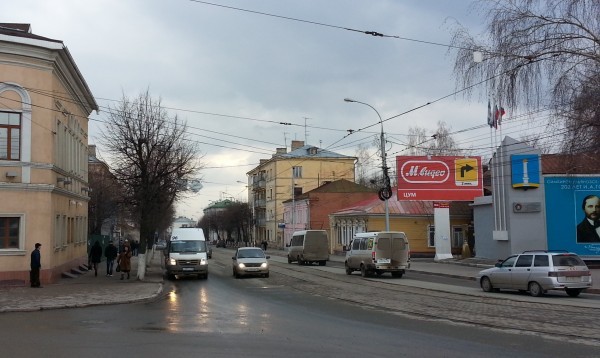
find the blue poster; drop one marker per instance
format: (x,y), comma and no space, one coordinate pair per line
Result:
(573,214)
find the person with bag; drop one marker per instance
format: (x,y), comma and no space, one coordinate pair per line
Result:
(124,261)
(95,256)
(110,252)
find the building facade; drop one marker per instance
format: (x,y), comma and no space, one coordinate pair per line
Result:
(43,155)
(287,175)
(310,211)
(414,218)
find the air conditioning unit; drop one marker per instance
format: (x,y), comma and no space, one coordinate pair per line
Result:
(11,174)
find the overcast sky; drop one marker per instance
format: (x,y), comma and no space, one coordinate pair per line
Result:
(234,75)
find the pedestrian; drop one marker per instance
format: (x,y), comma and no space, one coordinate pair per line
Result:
(36,264)
(264,245)
(110,252)
(124,261)
(95,256)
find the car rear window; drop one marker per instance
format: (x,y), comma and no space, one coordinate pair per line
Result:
(567,260)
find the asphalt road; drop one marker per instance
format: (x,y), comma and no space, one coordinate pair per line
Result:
(288,314)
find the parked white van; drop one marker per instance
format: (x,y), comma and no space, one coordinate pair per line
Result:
(309,246)
(377,253)
(186,254)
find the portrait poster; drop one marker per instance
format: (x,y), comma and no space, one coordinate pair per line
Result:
(566,200)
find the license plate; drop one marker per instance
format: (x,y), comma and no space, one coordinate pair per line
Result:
(573,279)
(188,269)
(383,261)
(252,269)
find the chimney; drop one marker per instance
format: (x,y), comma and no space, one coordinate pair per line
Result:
(279,151)
(92,150)
(297,144)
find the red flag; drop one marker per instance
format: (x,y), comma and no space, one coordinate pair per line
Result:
(498,113)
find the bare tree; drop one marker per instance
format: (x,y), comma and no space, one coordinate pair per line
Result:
(151,157)
(365,160)
(417,137)
(537,52)
(443,143)
(104,196)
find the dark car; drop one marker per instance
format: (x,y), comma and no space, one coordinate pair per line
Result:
(221,243)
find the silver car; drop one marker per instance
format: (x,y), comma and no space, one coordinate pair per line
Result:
(538,272)
(250,261)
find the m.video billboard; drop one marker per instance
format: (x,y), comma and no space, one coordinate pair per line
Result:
(573,214)
(439,178)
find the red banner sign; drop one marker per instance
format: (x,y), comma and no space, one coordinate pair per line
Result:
(443,178)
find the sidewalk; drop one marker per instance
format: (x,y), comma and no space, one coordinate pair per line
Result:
(86,289)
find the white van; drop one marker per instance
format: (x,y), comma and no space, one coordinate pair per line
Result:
(309,246)
(186,254)
(377,253)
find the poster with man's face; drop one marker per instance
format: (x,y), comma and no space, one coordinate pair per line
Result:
(573,214)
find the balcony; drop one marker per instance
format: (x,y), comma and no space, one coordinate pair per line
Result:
(259,203)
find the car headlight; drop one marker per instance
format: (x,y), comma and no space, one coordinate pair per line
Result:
(203,262)
(172,262)
(264,265)
(241,265)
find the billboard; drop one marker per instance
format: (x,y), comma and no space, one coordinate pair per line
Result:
(441,178)
(573,214)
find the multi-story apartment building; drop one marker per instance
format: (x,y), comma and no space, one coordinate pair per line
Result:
(44,108)
(286,175)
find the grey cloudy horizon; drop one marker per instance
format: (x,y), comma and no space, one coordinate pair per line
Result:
(234,75)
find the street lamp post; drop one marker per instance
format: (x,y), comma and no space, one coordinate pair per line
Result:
(386,192)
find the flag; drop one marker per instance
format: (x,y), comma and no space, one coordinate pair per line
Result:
(495,119)
(498,115)
(490,119)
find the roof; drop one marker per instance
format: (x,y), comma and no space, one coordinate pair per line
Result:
(402,208)
(338,186)
(310,151)
(22,30)
(581,163)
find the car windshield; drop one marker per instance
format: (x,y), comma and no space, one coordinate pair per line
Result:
(567,260)
(188,246)
(250,253)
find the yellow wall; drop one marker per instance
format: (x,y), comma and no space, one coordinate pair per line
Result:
(34,194)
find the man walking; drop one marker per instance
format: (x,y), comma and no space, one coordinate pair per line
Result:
(110,252)
(36,264)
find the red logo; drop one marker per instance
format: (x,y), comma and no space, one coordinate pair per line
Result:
(420,171)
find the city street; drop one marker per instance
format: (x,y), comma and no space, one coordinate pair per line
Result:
(312,310)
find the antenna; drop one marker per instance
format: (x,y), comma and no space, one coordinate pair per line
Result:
(305,131)
(285,138)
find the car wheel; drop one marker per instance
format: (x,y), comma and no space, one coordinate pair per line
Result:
(299,261)
(289,260)
(397,274)
(363,271)
(266,275)
(535,289)
(573,292)
(486,284)
(348,269)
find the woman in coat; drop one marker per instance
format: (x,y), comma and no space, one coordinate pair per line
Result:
(124,261)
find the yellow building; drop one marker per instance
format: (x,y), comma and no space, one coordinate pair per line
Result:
(414,218)
(304,168)
(44,109)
